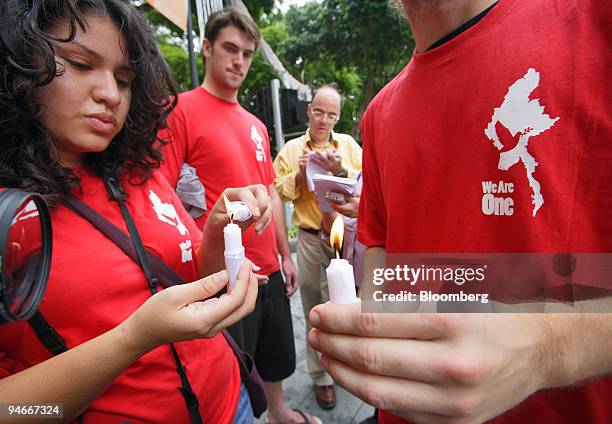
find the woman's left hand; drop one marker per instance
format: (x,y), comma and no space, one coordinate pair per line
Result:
(255,197)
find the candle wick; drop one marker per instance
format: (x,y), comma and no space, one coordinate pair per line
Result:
(337,254)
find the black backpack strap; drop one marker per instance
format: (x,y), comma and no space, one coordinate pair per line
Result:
(47,334)
(50,339)
(117,194)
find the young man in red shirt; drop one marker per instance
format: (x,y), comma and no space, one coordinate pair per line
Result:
(229,147)
(494,139)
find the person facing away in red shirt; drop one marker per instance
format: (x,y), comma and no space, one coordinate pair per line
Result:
(495,140)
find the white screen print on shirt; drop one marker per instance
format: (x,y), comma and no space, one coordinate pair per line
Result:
(166,213)
(515,122)
(257,138)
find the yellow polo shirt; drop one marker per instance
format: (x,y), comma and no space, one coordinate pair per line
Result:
(306,212)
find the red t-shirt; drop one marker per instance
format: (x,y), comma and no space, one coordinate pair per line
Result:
(93,286)
(228,147)
(522,99)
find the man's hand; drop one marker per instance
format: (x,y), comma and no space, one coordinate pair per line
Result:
(464,368)
(332,161)
(349,209)
(303,161)
(291,275)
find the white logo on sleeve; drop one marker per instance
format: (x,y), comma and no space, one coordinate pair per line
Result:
(512,125)
(166,213)
(257,138)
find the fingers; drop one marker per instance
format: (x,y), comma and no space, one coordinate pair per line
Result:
(230,307)
(348,319)
(334,156)
(263,201)
(319,158)
(342,209)
(245,195)
(261,279)
(198,290)
(418,360)
(303,161)
(387,393)
(292,290)
(256,198)
(291,284)
(246,297)
(241,285)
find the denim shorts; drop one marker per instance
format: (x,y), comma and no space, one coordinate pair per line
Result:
(244,411)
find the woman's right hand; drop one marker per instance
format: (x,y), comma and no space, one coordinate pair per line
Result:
(189,311)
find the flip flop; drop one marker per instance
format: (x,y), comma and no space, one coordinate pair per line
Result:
(306,420)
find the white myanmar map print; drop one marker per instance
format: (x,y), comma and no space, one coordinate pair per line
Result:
(525,117)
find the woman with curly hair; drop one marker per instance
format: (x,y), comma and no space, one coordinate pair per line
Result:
(83,92)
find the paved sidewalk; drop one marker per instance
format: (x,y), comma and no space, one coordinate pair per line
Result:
(299,391)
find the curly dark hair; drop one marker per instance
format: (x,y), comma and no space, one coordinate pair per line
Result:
(28,156)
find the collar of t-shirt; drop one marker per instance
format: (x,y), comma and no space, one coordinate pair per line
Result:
(462,28)
(312,147)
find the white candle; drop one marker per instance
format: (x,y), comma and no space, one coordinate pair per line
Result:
(341,282)
(233,238)
(234,252)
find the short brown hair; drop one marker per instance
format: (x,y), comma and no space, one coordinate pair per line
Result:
(230,16)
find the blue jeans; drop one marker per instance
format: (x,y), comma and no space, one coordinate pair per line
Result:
(244,411)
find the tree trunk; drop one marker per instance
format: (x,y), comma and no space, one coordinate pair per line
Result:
(368,91)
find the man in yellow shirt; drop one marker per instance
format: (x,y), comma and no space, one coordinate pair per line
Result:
(341,156)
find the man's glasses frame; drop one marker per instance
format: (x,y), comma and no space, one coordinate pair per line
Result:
(319,114)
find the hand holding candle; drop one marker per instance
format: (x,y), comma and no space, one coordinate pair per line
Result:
(340,278)
(245,206)
(234,251)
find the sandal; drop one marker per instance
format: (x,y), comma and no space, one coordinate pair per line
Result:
(306,420)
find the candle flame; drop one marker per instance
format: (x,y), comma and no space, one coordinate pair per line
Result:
(336,235)
(228,207)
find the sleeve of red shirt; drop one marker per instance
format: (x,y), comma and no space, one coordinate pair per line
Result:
(372,217)
(175,151)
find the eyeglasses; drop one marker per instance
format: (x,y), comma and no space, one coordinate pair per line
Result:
(319,114)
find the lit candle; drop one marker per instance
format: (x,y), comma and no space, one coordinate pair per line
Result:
(340,278)
(234,251)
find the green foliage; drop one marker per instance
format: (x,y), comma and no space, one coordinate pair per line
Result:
(360,44)
(259,7)
(292,232)
(178,60)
